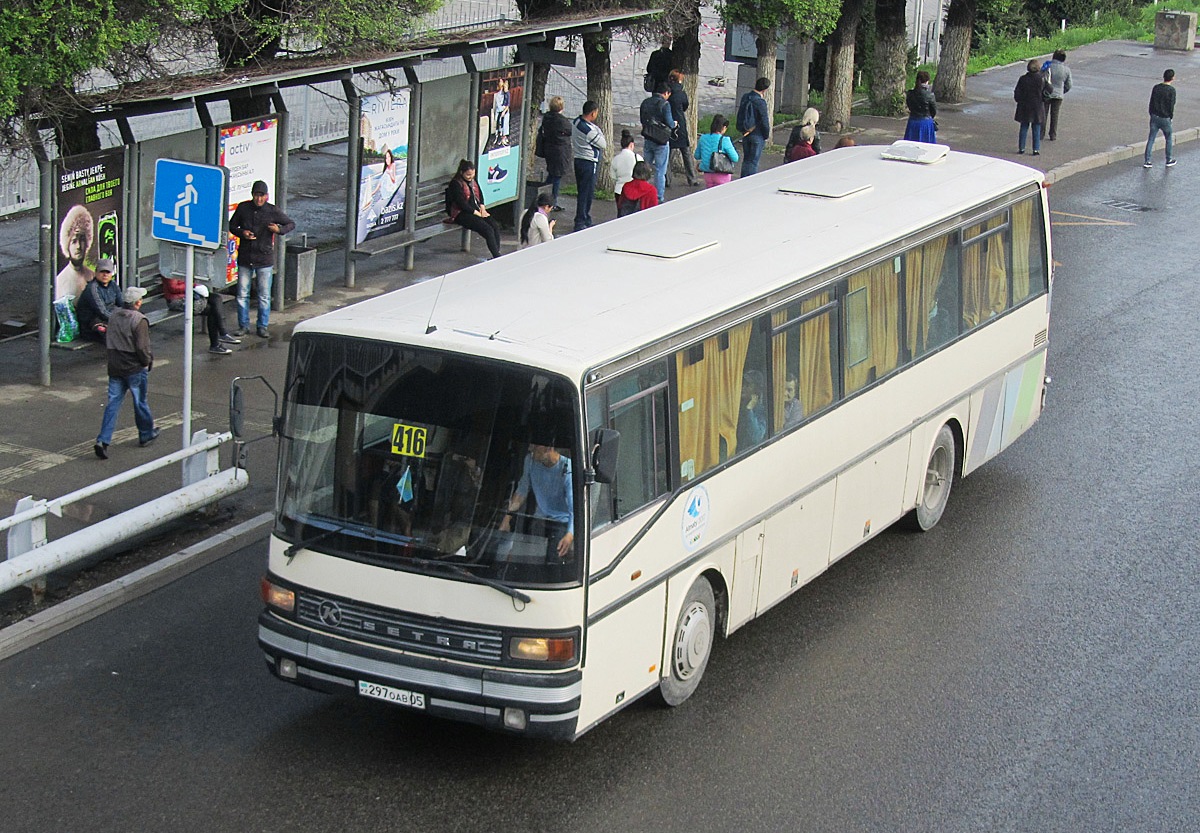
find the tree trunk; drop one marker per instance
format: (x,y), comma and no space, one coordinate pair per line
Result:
(839,68)
(597,58)
(535,91)
(75,128)
(241,43)
(795,75)
(950,85)
(890,68)
(767,41)
(686,51)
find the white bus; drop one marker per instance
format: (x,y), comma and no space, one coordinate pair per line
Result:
(528,493)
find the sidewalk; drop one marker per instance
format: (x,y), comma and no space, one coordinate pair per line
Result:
(47,436)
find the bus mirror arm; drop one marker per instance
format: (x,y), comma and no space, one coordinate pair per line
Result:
(603,459)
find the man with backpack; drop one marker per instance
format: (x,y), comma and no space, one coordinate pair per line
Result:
(754,122)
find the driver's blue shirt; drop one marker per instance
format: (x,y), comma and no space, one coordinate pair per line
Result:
(552,488)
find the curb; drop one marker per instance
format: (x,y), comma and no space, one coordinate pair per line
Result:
(1117,154)
(87,606)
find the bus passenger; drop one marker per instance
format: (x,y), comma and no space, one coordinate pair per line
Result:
(464,204)
(548,474)
(752,417)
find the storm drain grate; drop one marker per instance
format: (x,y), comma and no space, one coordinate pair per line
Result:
(1126,205)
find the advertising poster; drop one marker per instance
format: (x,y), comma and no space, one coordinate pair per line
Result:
(248,150)
(381,185)
(502,93)
(89,191)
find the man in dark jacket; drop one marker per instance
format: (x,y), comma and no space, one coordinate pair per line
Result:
(129,363)
(754,121)
(100,298)
(1162,111)
(256,222)
(554,145)
(658,125)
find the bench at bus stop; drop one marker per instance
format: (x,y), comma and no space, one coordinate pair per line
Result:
(429,221)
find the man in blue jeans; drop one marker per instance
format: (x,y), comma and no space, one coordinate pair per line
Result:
(587,143)
(754,121)
(129,363)
(1162,111)
(657,119)
(256,222)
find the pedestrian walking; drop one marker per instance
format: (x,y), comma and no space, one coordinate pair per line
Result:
(536,225)
(554,145)
(587,144)
(658,124)
(754,122)
(129,363)
(710,148)
(1058,77)
(464,206)
(256,222)
(1029,94)
(922,109)
(1162,111)
(681,142)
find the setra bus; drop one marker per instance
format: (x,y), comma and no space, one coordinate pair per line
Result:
(532,491)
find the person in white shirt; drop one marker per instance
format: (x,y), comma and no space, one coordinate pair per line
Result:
(623,162)
(536,225)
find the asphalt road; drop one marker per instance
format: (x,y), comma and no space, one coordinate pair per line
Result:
(1030,665)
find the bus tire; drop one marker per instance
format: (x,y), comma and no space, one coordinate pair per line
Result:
(691,644)
(939,479)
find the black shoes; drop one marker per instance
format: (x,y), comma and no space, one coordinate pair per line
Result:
(101,450)
(150,439)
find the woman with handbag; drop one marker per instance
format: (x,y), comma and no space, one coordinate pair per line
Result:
(716,153)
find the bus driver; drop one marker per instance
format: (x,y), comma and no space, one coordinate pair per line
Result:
(548,473)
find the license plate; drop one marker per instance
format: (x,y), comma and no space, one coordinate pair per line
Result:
(391,695)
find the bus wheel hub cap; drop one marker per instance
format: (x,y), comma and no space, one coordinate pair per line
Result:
(691,643)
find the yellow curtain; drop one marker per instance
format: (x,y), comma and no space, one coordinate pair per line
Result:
(779,368)
(922,274)
(883,324)
(816,357)
(711,390)
(985,275)
(1022,232)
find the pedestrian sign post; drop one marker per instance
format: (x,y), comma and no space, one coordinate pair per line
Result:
(189,209)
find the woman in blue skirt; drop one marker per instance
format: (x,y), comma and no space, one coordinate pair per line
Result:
(921,110)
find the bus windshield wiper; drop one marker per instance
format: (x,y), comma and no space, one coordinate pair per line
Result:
(427,566)
(291,551)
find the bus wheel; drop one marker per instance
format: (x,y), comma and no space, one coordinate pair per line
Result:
(939,478)
(691,645)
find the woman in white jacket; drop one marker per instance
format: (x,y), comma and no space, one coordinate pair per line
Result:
(623,162)
(536,225)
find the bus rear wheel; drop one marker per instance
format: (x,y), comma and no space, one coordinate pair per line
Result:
(939,478)
(692,644)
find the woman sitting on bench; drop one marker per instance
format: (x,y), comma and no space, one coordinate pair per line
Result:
(464,204)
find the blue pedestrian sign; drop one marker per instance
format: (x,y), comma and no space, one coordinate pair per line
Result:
(189,203)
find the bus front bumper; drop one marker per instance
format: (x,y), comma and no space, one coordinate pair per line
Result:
(528,703)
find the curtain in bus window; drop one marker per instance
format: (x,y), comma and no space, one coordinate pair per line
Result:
(1027,250)
(985,274)
(923,273)
(874,324)
(710,390)
(801,363)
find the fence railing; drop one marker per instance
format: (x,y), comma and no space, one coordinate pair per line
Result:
(31,556)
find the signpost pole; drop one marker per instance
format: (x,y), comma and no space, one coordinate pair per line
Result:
(188,310)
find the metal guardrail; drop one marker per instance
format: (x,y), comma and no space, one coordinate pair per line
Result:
(31,557)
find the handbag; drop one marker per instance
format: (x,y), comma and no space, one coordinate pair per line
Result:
(648,82)
(719,162)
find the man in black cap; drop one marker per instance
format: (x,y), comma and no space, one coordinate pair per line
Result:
(256,222)
(100,299)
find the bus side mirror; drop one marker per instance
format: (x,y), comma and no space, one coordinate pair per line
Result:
(605,442)
(237,412)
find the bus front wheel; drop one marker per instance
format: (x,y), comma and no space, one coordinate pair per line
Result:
(939,478)
(691,645)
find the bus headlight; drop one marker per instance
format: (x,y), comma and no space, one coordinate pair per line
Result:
(542,648)
(277,597)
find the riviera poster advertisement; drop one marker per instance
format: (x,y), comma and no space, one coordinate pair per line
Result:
(381,188)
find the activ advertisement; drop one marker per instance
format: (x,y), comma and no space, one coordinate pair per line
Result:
(90,193)
(502,93)
(248,150)
(383,128)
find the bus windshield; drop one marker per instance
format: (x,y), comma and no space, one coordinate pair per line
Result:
(431,462)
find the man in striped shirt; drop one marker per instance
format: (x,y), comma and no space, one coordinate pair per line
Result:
(587,143)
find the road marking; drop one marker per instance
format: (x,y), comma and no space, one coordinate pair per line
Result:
(1091,221)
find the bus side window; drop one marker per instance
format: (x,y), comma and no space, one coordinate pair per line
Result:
(1029,250)
(803,353)
(872,311)
(985,270)
(636,405)
(710,376)
(931,294)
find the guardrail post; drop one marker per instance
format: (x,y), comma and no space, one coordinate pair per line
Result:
(196,467)
(27,536)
